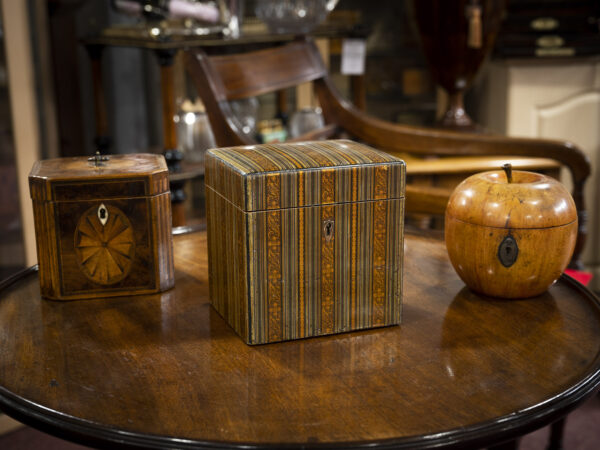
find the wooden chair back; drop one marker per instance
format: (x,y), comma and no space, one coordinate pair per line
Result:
(219,79)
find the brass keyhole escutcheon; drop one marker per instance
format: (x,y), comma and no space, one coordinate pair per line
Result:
(328,229)
(508,251)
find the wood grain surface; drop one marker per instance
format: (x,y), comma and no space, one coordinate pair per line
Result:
(510,234)
(165,370)
(530,200)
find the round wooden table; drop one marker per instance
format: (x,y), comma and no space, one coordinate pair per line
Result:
(166,370)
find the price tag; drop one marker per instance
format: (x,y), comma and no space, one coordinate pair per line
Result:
(354,52)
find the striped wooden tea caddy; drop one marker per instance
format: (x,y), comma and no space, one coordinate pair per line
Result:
(305,239)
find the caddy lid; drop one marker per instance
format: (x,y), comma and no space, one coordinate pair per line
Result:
(512,199)
(82,177)
(287,175)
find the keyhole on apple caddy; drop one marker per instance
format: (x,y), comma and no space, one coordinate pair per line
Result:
(328,229)
(508,251)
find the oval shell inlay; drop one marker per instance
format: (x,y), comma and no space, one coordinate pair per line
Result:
(104,251)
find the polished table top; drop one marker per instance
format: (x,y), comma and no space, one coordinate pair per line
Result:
(166,370)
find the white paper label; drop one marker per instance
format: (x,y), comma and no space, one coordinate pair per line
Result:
(354,52)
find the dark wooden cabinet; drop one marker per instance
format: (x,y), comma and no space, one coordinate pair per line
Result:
(550,28)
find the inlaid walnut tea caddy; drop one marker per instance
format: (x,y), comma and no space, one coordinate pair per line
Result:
(103,225)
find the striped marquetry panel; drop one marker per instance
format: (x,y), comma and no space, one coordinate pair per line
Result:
(300,251)
(228,261)
(84,255)
(245,175)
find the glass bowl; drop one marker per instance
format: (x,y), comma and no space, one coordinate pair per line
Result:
(293,16)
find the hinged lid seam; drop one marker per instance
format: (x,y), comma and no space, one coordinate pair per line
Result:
(246,211)
(513,228)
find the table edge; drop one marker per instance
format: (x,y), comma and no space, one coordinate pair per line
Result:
(477,435)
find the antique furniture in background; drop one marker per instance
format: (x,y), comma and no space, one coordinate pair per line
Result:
(544,82)
(165,370)
(554,29)
(551,98)
(165,51)
(219,79)
(166,48)
(457,36)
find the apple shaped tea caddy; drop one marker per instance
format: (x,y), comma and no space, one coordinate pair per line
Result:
(510,234)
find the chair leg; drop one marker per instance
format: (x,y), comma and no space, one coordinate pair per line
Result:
(557,431)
